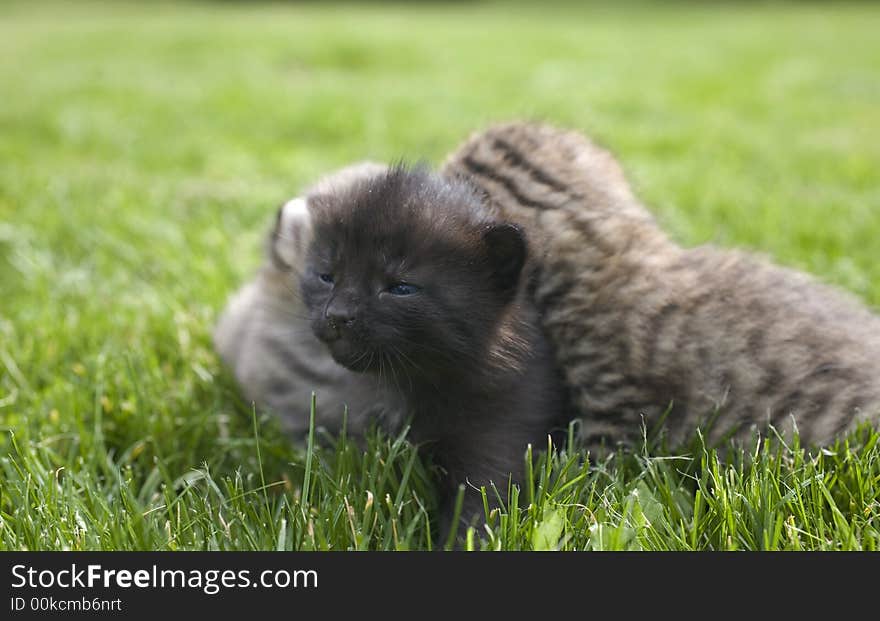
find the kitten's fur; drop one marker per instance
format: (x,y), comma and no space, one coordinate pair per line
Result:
(641,324)
(412,285)
(265,339)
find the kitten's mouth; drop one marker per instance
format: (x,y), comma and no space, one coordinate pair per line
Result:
(353,359)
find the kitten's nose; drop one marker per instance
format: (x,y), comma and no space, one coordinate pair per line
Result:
(339,318)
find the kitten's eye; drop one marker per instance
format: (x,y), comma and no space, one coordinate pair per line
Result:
(402,288)
(326,278)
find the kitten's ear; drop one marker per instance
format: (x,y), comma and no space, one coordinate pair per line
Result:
(506,246)
(291,235)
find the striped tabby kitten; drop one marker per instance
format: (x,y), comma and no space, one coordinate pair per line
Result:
(642,325)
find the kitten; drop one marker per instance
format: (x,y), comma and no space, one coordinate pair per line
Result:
(641,325)
(412,286)
(263,335)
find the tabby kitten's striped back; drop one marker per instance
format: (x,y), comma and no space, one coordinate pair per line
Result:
(642,326)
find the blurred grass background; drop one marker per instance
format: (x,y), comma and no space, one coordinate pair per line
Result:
(144,147)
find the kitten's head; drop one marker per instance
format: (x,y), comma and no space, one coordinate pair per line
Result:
(405,270)
(292,232)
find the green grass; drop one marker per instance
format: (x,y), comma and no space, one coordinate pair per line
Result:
(143,148)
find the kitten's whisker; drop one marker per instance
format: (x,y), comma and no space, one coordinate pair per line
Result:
(394,371)
(420,369)
(446,356)
(401,356)
(429,348)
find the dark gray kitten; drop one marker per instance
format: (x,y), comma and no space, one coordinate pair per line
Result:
(413,287)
